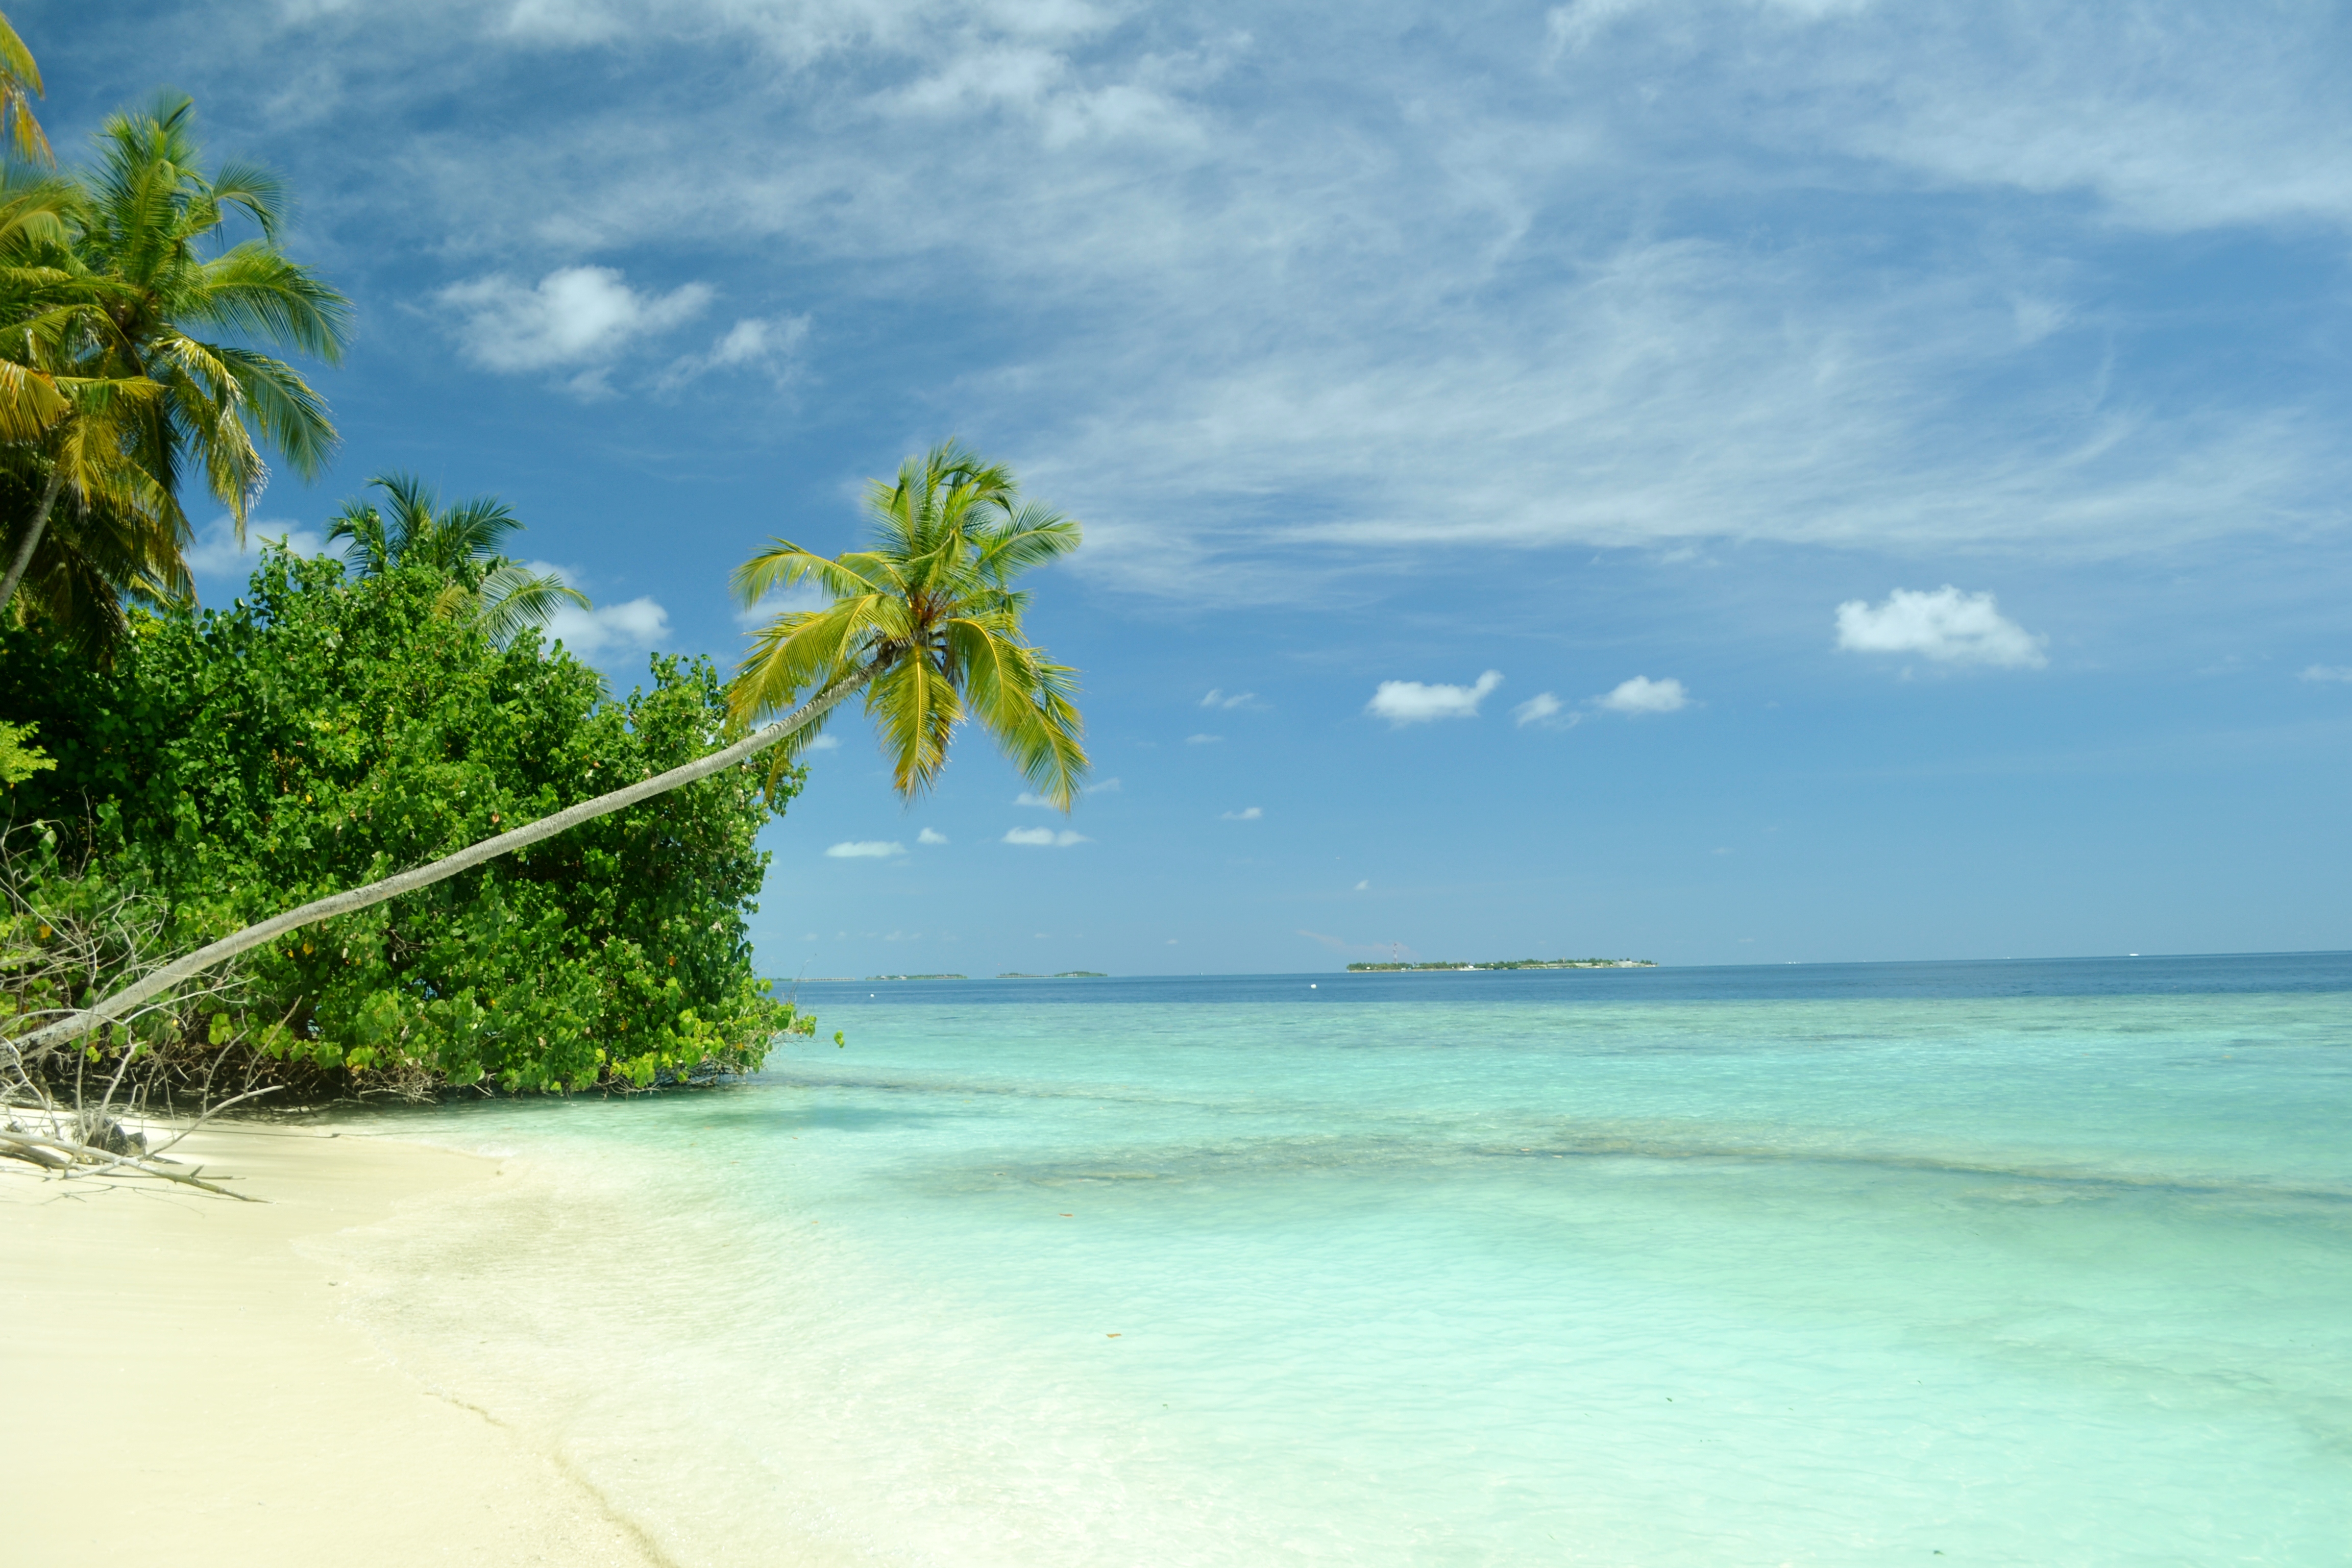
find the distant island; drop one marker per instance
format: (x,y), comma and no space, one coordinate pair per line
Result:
(1510,963)
(871,977)
(1065,974)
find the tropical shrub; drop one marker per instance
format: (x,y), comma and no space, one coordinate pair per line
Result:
(324,731)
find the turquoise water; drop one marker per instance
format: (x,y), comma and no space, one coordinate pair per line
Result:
(2039,1264)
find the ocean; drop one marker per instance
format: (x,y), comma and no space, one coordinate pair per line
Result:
(2022,1262)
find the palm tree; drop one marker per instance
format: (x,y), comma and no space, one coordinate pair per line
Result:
(77,426)
(20,83)
(462,545)
(927,623)
(115,276)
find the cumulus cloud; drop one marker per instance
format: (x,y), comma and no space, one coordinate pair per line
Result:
(1045,837)
(930,835)
(609,630)
(1402,703)
(2328,672)
(824,744)
(1946,626)
(582,316)
(217,553)
(1544,707)
(1247,814)
(1643,695)
(866,849)
(1031,797)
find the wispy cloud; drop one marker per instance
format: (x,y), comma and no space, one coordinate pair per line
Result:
(1643,695)
(866,849)
(770,345)
(1202,740)
(1266,242)
(1247,814)
(2327,673)
(1402,703)
(573,317)
(801,595)
(930,835)
(1946,625)
(1045,837)
(1544,707)
(1217,698)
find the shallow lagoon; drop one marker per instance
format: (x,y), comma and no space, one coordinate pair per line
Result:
(2019,1263)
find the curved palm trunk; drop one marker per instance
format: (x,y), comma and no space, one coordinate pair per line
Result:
(32,537)
(253,936)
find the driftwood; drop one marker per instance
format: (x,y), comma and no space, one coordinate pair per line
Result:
(113,1152)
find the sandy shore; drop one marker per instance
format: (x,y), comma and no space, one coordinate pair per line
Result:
(187,1388)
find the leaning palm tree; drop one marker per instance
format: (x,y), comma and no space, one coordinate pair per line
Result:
(461,544)
(926,623)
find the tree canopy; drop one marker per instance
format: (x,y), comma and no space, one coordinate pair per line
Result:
(324,730)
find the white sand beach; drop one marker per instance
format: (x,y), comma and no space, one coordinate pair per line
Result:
(188,1390)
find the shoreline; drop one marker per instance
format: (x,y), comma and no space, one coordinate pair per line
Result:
(229,1410)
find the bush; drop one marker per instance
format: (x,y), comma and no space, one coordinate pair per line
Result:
(322,733)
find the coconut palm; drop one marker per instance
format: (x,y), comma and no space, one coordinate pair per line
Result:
(462,544)
(121,532)
(20,83)
(151,212)
(101,278)
(79,426)
(927,622)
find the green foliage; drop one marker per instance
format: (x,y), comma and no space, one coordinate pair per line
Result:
(325,732)
(929,618)
(19,758)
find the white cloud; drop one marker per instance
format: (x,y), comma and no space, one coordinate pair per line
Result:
(824,744)
(574,316)
(866,849)
(801,596)
(930,835)
(1217,698)
(1643,695)
(609,630)
(1030,797)
(1202,740)
(1040,838)
(1946,626)
(217,553)
(773,345)
(1364,885)
(2328,672)
(1544,707)
(1402,703)
(1104,786)
(1247,814)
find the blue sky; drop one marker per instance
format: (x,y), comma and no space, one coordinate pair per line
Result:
(1889,458)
